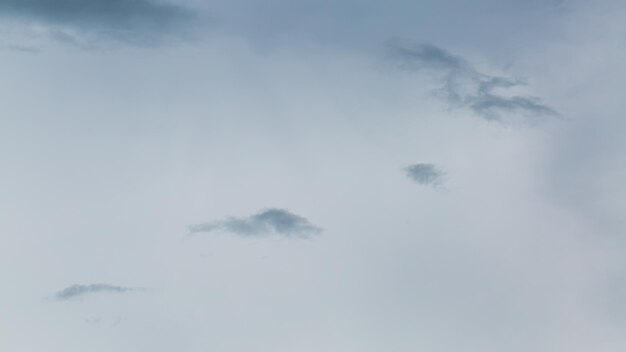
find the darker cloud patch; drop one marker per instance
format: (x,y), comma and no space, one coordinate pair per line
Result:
(132,21)
(425,174)
(463,86)
(76,291)
(427,56)
(266,222)
(490,105)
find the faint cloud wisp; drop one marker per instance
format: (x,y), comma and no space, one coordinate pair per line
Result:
(463,86)
(77,291)
(270,221)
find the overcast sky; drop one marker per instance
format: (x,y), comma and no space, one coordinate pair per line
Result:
(335,176)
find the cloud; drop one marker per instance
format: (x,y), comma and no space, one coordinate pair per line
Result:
(131,21)
(426,56)
(269,221)
(490,105)
(425,174)
(465,87)
(76,291)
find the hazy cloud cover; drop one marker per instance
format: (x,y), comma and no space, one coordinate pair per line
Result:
(425,174)
(79,291)
(266,222)
(107,155)
(141,22)
(464,86)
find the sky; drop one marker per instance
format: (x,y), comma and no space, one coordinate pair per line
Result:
(304,175)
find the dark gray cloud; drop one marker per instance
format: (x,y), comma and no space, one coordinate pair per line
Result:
(76,291)
(132,21)
(269,221)
(463,86)
(425,174)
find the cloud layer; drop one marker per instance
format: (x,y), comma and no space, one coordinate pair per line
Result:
(465,87)
(132,21)
(425,174)
(266,222)
(76,291)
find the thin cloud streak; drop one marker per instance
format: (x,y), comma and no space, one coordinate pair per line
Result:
(270,221)
(77,291)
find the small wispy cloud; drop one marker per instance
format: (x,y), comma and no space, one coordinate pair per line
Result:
(464,86)
(139,22)
(270,221)
(491,106)
(77,291)
(425,174)
(427,56)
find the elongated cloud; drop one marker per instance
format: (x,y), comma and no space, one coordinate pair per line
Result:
(270,221)
(131,21)
(463,86)
(76,291)
(425,174)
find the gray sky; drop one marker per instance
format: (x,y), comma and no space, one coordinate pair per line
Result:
(258,176)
